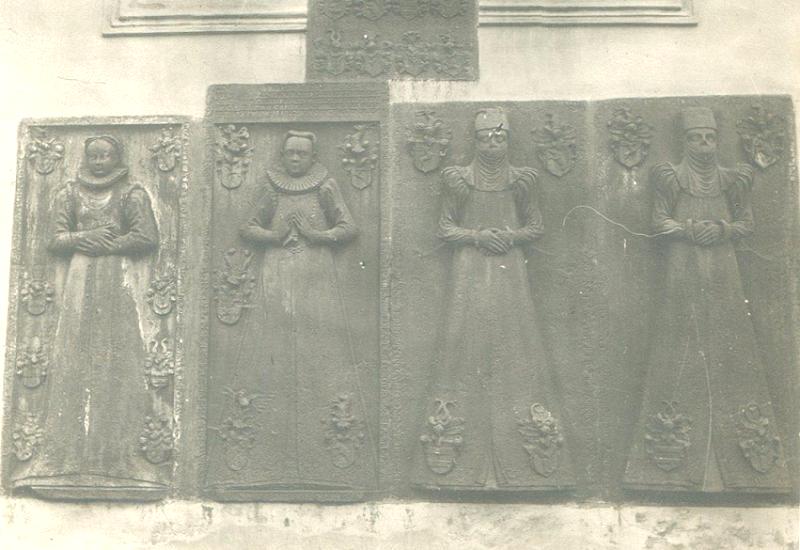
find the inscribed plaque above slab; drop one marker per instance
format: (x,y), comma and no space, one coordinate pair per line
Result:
(390,39)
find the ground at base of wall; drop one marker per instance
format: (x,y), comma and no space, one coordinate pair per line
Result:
(28,523)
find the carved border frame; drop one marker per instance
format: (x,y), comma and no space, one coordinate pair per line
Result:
(116,23)
(182,482)
(587,12)
(490,13)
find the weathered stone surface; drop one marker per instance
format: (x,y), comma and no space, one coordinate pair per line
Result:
(95,338)
(597,277)
(395,526)
(347,349)
(391,39)
(294,302)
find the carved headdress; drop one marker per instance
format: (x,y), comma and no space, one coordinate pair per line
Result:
(698,117)
(493,118)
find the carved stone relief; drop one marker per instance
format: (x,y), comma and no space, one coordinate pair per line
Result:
(616,314)
(233,155)
(533,326)
(705,357)
(293,394)
(386,39)
(428,141)
(85,425)
(556,146)
(43,152)
(763,136)
(630,137)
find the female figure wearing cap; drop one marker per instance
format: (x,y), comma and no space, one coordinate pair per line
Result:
(492,420)
(97,398)
(707,422)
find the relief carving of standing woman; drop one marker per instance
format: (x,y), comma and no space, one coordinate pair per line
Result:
(97,396)
(494,420)
(313,435)
(707,422)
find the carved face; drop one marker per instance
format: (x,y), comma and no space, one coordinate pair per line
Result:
(101,157)
(701,140)
(494,142)
(298,155)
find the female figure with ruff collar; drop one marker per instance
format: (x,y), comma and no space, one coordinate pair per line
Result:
(493,419)
(97,399)
(313,436)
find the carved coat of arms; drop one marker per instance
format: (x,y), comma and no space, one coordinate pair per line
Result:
(361,155)
(162,293)
(763,137)
(32,362)
(444,439)
(666,437)
(542,439)
(556,146)
(759,444)
(345,432)
(36,294)
(233,156)
(428,141)
(630,137)
(235,286)
(43,151)
(167,150)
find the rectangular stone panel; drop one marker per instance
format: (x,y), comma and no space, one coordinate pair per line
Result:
(388,39)
(293,291)
(607,317)
(96,308)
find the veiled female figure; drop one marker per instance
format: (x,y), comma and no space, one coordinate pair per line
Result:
(494,420)
(707,423)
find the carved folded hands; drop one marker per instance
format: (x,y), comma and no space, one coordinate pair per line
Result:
(494,241)
(96,242)
(706,232)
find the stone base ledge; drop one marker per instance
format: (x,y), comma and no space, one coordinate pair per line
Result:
(208,525)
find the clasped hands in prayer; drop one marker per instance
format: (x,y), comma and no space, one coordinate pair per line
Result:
(298,225)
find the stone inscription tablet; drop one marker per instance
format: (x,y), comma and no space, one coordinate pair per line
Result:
(293,324)
(95,339)
(392,39)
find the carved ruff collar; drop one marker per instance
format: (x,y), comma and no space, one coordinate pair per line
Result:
(90,181)
(289,184)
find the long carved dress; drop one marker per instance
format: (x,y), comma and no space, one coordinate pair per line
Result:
(97,397)
(707,423)
(494,420)
(312,433)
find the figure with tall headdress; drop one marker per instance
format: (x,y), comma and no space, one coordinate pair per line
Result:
(707,423)
(492,420)
(97,398)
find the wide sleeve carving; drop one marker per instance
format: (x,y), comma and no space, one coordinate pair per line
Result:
(454,194)
(342,227)
(666,187)
(65,234)
(142,232)
(738,194)
(256,229)
(530,217)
